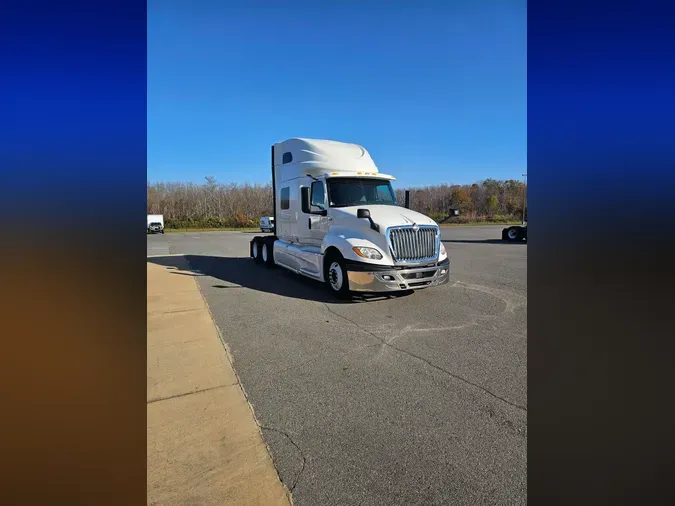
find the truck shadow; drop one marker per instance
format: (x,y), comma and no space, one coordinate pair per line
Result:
(243,272)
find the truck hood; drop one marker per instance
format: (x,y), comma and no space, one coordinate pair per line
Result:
(387,216)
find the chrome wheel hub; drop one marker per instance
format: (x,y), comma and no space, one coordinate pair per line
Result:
(335,276)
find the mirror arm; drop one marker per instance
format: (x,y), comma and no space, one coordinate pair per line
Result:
(373,225)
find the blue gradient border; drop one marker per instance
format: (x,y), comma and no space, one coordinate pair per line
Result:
(72,199)
(601,166)
(74,104)
(601,171)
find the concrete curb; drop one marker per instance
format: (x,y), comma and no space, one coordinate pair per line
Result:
(204,443)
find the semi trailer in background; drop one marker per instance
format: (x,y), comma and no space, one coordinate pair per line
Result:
(336,220)
(515,233)
(518,232)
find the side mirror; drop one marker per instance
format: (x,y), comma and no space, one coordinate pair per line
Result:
(304,199)
(365,213)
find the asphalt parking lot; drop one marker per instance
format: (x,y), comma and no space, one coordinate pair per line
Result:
(419,399)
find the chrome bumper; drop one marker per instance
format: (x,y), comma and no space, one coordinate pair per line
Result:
(393,280)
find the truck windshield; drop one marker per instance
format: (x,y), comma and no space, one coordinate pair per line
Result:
(345,192)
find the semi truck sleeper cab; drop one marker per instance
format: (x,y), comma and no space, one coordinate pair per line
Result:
(337,221)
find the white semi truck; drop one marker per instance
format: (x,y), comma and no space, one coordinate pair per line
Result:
(337,221)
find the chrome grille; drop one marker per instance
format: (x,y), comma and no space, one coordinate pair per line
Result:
(410,246)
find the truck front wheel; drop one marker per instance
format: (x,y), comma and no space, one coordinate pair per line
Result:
(336,277)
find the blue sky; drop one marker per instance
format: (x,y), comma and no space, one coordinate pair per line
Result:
(436,91)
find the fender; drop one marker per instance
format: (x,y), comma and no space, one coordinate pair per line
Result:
(344,239)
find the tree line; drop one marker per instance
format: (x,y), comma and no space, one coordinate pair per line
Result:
(215,205)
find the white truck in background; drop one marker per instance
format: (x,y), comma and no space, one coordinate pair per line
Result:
(155,224)
(267,224)
(337,221)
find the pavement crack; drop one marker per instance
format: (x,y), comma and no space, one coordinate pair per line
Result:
(159,399)
(302,455)
(460,378)
(465,292)
(230,358)
(511,299)
(343,353)
(175,343)
(430,364)
(355,324)
(176,311)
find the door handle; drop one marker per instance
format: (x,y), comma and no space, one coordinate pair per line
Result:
(309,220)
(330,219)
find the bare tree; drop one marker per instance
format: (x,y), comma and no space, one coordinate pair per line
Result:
(214,204)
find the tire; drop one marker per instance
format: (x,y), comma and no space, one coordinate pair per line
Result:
(255,251)
(514,234)
(336,277)
(267,253)
(162,231)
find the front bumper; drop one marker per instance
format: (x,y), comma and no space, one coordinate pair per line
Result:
(369,278)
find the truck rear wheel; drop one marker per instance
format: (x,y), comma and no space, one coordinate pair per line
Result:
(267,253)
(336,276)
(255,250)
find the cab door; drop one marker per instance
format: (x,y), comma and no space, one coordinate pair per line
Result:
(318,220)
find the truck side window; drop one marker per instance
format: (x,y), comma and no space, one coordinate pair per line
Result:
(287,158)
(318,196)
(285,198)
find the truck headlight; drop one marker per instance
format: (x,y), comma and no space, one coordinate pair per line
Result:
(370,253)
(442,251)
